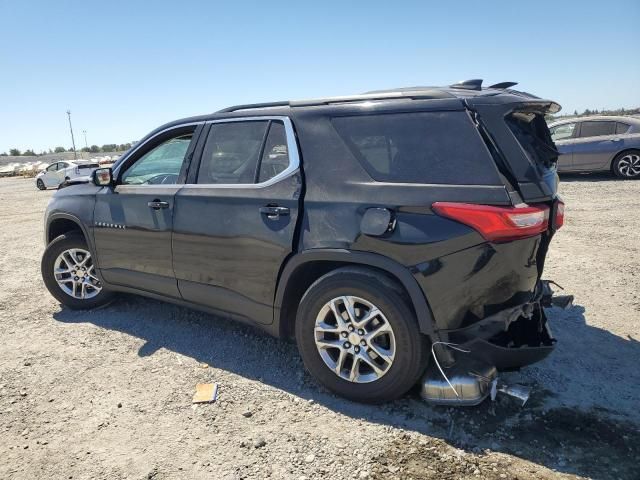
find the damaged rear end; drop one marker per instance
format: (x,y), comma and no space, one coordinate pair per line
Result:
(501,323)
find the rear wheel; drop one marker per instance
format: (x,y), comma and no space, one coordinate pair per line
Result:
(358,336)
(40,184)
(627,164)
(69,273)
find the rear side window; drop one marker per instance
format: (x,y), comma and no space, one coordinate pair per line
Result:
(425,147)
(232,152)
(621,128)
(597,129)
(275,156)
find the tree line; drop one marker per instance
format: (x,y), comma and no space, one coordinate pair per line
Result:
(109,147)
(588,111)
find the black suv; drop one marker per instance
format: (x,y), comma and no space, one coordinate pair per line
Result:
(374,229)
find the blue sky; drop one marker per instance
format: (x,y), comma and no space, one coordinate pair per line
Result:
(124,68)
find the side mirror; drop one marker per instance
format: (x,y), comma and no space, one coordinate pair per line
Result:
(103,177)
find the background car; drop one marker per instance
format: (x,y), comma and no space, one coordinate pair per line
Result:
(57,173)
(589,144)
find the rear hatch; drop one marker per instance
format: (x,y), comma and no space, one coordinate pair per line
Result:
(521,143)
(515,129)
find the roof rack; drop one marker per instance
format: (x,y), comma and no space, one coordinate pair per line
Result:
(385,95)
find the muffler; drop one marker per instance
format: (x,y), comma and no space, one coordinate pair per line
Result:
(466,383)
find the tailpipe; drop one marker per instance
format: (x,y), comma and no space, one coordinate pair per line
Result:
(519,392)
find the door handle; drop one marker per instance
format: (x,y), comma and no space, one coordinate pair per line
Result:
(274,212)
(158,204)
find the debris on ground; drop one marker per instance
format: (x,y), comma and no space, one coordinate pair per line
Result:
(206,393)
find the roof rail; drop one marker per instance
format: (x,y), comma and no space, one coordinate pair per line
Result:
(473,84)
(503,85)
(253,105)
(382,95)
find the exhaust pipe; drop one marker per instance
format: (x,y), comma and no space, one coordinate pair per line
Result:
(517,391)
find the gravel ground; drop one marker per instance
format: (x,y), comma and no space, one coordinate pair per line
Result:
(107,394)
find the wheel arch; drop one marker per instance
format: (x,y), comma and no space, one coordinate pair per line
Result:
(304,268)
(61,223)
(618,154)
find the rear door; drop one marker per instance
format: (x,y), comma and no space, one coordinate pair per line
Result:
(133,221)
(595,144)
(235,219)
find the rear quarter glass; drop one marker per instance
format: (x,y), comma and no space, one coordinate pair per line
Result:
(424,147)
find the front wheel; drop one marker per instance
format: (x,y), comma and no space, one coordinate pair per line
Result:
(40,184)
(627,164)
(69,273)
(358,336)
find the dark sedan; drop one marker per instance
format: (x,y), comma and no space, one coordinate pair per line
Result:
(589,144)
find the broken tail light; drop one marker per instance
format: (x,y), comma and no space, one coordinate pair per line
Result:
(500,224)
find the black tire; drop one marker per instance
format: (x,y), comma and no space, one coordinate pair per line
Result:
(54,249)
(40,184)
(617,166)
(411,355)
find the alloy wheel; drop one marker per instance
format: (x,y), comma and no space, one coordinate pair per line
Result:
(74,272)
(354,339)
(629,165)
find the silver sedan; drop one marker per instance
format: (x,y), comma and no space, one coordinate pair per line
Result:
(589,144)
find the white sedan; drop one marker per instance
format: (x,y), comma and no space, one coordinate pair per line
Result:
(57,173)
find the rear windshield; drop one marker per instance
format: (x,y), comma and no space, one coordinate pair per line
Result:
(531,131)
(425,147)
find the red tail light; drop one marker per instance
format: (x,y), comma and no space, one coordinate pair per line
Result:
(560,214)
(498,224)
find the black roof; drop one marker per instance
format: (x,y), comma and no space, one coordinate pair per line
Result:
(453,95)
(461,90)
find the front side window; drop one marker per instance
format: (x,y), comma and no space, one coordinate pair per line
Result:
(232,152)
(597,128)
(52,168)
(161,165)
(425,147)
(563,132)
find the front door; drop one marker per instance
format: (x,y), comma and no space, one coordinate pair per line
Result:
(563,136)
(51,175)
(235,219)
(133,221)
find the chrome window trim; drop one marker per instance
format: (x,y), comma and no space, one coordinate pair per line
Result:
(292,150)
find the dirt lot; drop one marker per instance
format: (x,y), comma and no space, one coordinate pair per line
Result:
(107,394)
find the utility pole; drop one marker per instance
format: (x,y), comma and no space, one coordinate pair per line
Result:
(73,142)
(84,132)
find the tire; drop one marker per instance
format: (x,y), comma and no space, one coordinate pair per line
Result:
(93,293)
(40,184)
(627,165)
(410,346)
